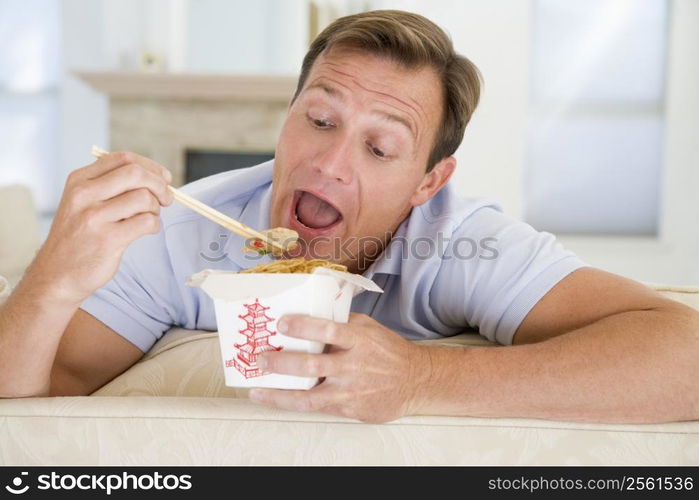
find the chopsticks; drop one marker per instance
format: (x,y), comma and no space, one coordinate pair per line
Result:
(209,213)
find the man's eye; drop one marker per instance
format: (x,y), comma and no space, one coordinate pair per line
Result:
(320,123)
(376,151)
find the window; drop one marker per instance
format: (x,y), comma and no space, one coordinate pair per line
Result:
(30,69)
(597,97)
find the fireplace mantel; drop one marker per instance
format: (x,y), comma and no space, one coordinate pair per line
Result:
(163,116)
(269,88)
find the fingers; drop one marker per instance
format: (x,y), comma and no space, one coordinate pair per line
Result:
(130,177)
(139,225)
(100,167)
(129,204)
(319,398)
(111,161)
(112,176)
(317,329)
(302,364)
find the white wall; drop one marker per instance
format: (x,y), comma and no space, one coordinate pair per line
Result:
(673,257)
(84,112)
(239,36)
(496,36)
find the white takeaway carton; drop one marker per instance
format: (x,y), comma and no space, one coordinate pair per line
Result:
(248,306)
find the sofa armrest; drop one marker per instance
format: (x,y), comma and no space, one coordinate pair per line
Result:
(212,431)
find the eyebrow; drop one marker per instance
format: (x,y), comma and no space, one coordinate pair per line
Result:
(335,94)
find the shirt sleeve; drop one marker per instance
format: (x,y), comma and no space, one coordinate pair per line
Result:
(496,269)
(140,302)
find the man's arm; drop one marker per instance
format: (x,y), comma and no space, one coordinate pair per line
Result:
(605,349)
(65,356)
(90,355)
(584,297)
(47,345)
(599,347)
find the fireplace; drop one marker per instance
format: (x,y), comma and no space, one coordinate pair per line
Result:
(202,163)
(195,125)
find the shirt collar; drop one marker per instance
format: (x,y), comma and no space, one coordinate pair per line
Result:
(391,259)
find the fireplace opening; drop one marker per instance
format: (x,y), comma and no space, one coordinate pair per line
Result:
(200,163)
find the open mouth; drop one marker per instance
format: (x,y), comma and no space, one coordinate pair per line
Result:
(315,213)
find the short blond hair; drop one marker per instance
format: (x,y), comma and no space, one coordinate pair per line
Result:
(412,41)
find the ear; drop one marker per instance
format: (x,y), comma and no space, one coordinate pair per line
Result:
(433,181)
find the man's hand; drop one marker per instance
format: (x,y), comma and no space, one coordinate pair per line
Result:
(105,207)
(370,372)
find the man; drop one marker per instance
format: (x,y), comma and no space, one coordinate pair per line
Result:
(365,155)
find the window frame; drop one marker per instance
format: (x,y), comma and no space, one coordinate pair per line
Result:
(672,256)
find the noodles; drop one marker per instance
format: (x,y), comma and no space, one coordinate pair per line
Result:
(298,265)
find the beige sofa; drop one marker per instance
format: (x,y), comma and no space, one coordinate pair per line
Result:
(19,231)
(173,408)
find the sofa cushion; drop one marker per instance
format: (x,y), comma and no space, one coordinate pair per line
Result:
(4,289)
(188,363)
(687,295)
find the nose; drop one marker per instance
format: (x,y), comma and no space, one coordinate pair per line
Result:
(334,161)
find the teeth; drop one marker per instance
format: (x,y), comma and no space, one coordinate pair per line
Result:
(296,214)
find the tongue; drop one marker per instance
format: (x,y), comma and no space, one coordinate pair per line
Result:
(314,212)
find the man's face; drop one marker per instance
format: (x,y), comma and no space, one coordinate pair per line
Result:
(351,158)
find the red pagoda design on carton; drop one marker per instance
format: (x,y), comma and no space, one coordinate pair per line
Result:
(257,332)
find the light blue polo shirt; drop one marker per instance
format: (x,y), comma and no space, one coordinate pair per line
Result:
(454,264)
